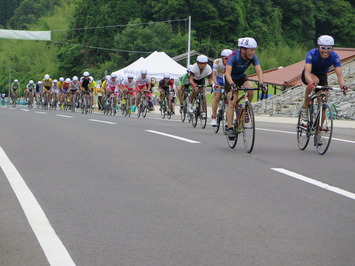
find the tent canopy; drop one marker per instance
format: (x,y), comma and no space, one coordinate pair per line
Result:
(156,64)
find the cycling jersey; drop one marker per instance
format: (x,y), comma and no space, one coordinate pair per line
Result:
(112,84)
(320,65)
(74,86)
(165,85)
(46,83)
(184,80)
(198,75)
(219,67)
(31,87)
(85,83)
(239,65)
(65,87)
(15,86)
(142,81)
(129,85)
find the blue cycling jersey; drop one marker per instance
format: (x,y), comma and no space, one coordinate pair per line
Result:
(319,65)
(239,66)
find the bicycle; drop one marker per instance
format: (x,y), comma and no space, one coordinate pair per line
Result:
(244,121)
(221,112)
(142,108)
(126,104)
(319,124)
(184,107)
(14,99)
(30,100)
(200,110)
(85,102)
(109,104)
(165,106)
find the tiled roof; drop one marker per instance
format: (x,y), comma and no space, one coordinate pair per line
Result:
(291,75)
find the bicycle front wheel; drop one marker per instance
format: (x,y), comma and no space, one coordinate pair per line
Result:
(218,119)
(324,131)
(203,113)
(303,132)
(183,112)
(248,128)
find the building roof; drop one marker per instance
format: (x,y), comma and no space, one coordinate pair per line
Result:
(291,75)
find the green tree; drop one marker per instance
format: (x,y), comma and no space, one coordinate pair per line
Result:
(7,10)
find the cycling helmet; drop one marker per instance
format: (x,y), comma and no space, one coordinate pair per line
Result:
(130,76)
(61,79)
(144,71)
(166,76)
(226,52)
(31,82)
(67,80)
(39,82)
(202,59)
(247,42)
(75,78)
(16,80)
(108,77)
(325,40)
(113,75)
(55,81)
(46,76)
(86,74)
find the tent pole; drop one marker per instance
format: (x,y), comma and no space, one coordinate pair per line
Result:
(189,44)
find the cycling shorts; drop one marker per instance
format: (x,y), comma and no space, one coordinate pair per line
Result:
(130,90)
(46,88)
(323,79)
(238,82)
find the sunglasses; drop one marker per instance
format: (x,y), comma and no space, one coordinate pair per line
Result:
(225,57)
(325,48)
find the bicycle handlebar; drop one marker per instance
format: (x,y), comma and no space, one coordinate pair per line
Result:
(243,89)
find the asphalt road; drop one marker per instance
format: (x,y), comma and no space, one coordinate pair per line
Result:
(117,194)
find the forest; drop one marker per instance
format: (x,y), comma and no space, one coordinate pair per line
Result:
(99,35)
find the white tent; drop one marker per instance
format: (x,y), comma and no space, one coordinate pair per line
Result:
(156,64)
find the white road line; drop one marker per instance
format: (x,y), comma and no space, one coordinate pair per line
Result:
(294,133)
(172,136)
(66,116)
(316,183)
(52,246)
(101,121)
(42,113)
(26,110)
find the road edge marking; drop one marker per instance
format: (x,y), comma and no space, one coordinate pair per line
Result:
(52,246)
(316,183)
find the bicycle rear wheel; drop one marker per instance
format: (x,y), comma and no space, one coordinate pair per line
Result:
(248,128)
(303,132)
(203,114)
(233,142)
(218,118)
(324,131)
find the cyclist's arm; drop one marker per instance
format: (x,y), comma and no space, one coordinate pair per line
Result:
(339,73)
(228,74)
(259,72)
(214,76)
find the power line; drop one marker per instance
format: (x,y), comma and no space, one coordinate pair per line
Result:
(117,26)
(102,48)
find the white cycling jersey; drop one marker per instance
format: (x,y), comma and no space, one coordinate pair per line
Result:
(142,81)
(219,67)
(198,75)
(129,85)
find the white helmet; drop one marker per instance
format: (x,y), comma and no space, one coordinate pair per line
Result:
(226,52)
(61,79)
(67,80)
(39,82)
(108,77)
(86,74)
(31,82)
(75,78)
(166,75)
(46,76)
(113,75)
(130,76)
(16,80)
(144,71)
(247,42)
(202,59)
(325,40)
(55,81)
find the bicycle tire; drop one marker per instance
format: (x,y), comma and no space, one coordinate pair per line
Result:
(218,118)
(203,120)
(183,112)
(233,142)
(248,128)
(326,130)
(145,111)
(303,132)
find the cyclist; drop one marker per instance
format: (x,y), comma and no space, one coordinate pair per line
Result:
(46,87)
(86,85)
(237,64)
(317,66)
(55,90)
(15,89)
(128,85)
(64,91)
(198,72)
(143,83)
(218,69)
(74,89)
(184,83)
(165,87)
(30,90)
(112,86)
